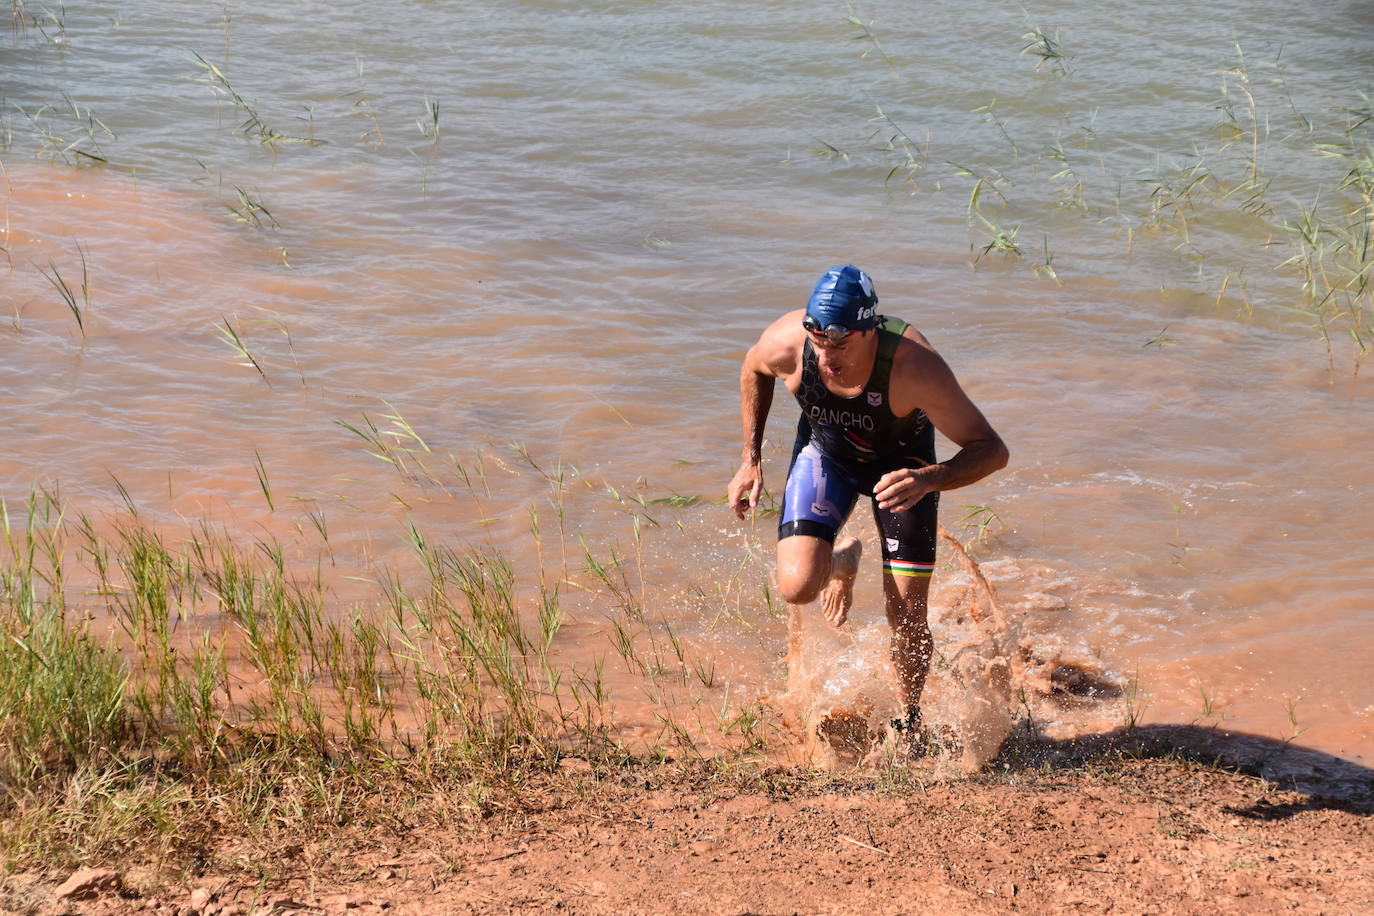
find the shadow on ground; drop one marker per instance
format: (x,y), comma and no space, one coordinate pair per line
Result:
(1327,781)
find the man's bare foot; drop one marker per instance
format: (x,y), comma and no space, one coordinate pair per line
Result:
(838,593)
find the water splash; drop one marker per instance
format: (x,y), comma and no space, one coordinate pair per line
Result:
(841,695)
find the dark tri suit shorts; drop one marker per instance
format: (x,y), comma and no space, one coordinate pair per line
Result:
(821,493)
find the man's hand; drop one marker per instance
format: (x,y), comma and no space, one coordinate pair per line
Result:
(897,491)
(743,492)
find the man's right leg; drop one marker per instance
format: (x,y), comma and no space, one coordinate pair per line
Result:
(804,566)
(817,500)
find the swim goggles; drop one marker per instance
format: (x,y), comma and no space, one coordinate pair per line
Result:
(830,331)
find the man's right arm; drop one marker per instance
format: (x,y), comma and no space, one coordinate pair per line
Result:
(766,361)
(755,399)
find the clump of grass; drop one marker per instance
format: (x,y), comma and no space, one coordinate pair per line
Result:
(1162,340)
(1047,49)
(827,151)
(61,691)
(429,124)
(252,210)
(909,157)
(1135,701)
(227,672)
(362,108)
(980,518)
(68,133)
(399,446)
(230,336)
(253,124)
(1001,240)
(56,21)
(865,34)
(78,309)
(276,321)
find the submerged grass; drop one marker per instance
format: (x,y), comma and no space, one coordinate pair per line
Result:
(254,125)
(68,133)
(64,289)
(1267,187)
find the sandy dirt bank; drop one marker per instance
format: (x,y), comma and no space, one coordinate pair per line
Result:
(1124,835)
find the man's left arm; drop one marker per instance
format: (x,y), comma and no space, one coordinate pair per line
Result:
(927,381)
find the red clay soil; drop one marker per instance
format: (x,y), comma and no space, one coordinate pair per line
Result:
(1158,836)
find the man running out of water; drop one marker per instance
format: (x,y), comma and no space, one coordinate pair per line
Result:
(872,391)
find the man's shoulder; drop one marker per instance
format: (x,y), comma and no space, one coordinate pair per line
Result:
(786,331)
(915,362)
(781,343)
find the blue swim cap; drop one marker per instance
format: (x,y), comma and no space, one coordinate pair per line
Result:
(845,296)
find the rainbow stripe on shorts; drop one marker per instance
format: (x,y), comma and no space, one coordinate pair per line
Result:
(908,568)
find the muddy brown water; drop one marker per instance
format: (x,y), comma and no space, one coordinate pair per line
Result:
(564,281)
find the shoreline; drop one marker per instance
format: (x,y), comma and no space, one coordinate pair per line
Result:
(1128,823)
(1117,827)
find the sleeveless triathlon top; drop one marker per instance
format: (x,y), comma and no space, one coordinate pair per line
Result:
(863,429)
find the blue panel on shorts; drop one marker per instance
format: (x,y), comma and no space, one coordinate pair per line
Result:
(819,493)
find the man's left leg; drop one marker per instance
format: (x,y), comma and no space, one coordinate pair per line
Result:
(912,645)
(908,561)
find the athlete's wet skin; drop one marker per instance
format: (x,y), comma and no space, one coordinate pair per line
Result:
(871,388)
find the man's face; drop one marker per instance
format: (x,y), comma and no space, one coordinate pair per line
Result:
(836,357)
